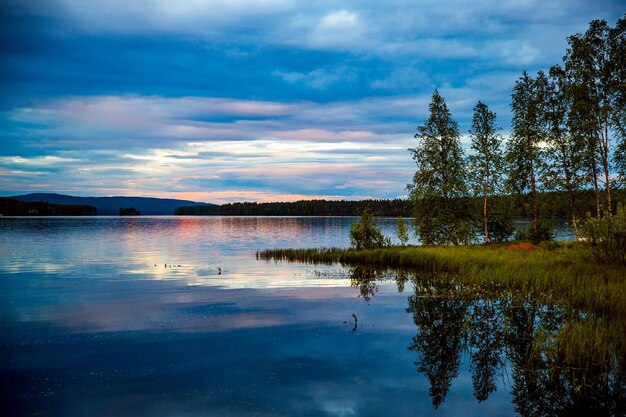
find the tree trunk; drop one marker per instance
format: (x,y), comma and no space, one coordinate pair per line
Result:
(595,185)
(607,168)
(572,206)
(534,194)
(485,207)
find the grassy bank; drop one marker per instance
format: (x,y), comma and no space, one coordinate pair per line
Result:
(562,275)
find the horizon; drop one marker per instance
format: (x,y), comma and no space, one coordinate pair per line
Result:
(264,101)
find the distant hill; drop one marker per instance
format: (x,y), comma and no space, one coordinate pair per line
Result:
(112,205)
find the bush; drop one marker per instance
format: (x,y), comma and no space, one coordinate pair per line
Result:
(365,234)
(542,234)
(500,225)
(605,238)
(402,231)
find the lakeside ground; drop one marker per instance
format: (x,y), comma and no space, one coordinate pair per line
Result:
(557,275)
(560,272)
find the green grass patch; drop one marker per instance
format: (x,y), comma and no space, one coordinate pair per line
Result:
(559,273)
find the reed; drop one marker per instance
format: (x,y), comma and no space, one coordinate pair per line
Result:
(562,274)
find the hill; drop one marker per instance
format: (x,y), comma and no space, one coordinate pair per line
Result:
(112,205)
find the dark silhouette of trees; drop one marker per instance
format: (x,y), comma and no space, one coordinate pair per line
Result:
(512,341)
(439,317)
(486,338)
(392,208)
(130,211)
(13,207)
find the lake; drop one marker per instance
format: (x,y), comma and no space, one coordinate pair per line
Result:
(174,316)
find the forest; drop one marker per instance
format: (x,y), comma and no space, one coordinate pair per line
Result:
(568,134)
(13,207)
(552,205)
(565,157)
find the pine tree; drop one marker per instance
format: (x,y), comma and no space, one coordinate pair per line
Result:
(439,184)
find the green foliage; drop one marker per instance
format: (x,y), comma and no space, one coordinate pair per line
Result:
(402,231)
(542,233)
(560,275)
(565,152)
(596,68)
(500,225)
(365,234)
(439,184)
(606,237)
(523,154)
(487,162)
(617,46)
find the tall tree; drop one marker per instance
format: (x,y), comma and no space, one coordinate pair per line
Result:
(487,162)
(523,153)
(565,152)
(438,188)
(594,63)
(617,52)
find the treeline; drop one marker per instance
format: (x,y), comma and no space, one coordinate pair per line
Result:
(393,208)
(553,205)
(568,136)
(13,207)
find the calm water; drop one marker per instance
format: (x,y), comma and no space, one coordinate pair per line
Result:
(174,316)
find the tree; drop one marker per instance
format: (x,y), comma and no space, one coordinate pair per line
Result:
(523,153)
(566,152)
(365,234)
(439,184)
(129,211)
(487,162)
(440,338)
(594,65)
(617,48)
(401,231)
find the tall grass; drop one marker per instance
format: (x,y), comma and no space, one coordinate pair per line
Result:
(562,275)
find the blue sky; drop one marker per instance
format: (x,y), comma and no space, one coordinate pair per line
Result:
(258,100)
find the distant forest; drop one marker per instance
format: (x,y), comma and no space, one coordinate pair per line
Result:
(13,207)
(553,205)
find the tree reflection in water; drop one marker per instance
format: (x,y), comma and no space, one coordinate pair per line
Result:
(557,361)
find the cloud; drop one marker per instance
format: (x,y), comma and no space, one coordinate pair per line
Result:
(169,147)
(340,28)
(256,98)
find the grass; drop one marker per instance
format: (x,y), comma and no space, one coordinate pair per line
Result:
(518,274)
(560,274)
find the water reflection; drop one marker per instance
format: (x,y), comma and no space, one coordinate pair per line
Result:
(90,326)
(555,361)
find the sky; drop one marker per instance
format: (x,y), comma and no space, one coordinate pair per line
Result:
(254,100)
